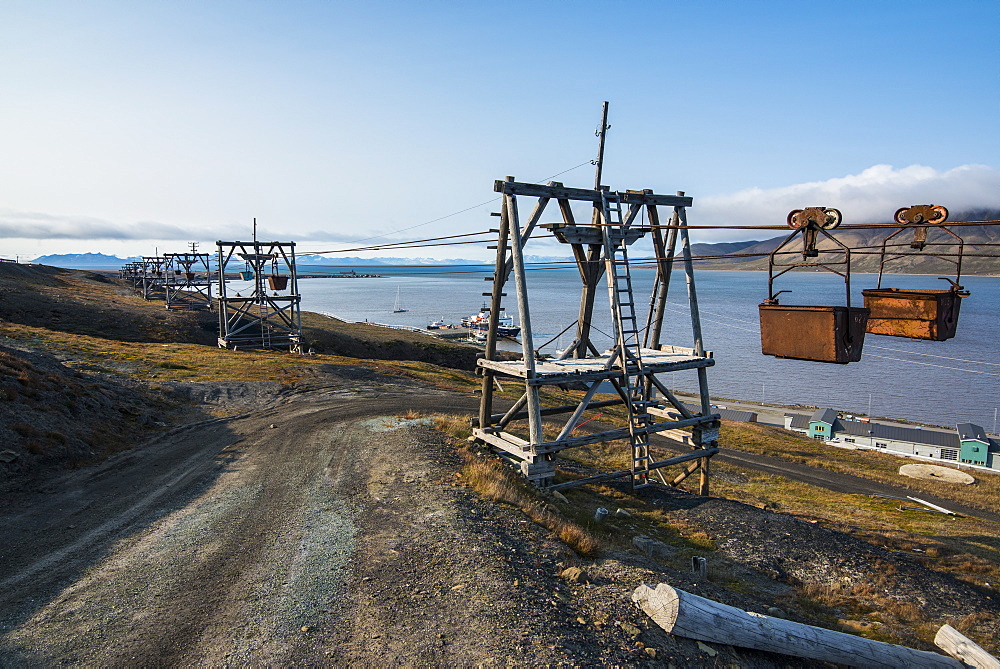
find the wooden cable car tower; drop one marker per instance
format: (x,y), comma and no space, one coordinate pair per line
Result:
(152,277)
(252,317)
(188,282)
(636,361)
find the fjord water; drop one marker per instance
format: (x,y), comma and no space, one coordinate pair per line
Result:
(941,383)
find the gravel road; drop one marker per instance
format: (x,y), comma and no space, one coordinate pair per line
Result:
(214,544)
(319,528)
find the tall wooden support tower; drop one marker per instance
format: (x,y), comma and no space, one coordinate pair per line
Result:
(637,359)
(188,281)
(262,309)
(130,272)
(152,274)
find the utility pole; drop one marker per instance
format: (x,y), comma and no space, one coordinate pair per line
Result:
(601,132)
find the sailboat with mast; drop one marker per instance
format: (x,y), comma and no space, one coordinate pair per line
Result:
(397,308)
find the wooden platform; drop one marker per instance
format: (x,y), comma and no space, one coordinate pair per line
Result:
(667,359)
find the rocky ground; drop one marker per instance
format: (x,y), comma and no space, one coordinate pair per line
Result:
(319,527)
(323,522)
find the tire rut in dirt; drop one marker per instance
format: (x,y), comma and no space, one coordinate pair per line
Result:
(215,581)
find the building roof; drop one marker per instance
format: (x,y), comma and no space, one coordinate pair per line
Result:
(971,431)
(899,433)
(728,414)
(828,416)
(799,421)
(880,431)
(735,414)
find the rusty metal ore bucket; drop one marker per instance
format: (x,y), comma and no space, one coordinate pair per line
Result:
(918,314)
(822,334)
(277,282)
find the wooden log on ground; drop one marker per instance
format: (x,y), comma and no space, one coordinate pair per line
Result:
(693,617)
(956,644)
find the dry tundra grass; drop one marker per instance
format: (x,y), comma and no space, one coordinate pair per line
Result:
(496,482)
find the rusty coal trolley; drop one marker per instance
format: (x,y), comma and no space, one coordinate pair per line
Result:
(917,313)
(804,332)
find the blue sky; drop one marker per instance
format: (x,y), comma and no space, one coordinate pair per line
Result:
(129,126)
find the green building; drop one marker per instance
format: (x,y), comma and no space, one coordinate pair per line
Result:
(975,445)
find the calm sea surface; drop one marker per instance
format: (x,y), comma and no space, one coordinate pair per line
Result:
(941,383)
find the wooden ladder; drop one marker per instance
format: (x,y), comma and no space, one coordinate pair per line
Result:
(628,349)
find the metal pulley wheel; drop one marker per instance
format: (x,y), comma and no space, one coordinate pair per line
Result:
(919,214)
(824,217)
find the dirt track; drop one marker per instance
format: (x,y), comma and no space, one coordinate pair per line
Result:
(338,537)
(214,544)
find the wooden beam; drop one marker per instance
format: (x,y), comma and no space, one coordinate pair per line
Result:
(586,194)
(692,617)
(578,412)
(691,469)
(611,435)
(503,419)
(953,642)
(546,411)
(527,345)
(627,472)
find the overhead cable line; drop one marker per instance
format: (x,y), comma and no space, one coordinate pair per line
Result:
(932,355)
(461,211)
(930,364)
(390,244)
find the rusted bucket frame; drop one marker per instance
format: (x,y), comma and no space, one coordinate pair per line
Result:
(917,230)
(917,313)
(803,332)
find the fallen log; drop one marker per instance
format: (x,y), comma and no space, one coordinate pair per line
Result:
(693,617)
(956,644)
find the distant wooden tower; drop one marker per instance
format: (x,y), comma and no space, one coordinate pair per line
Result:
(633,367)
(188,281)
(151,277)
(249,315)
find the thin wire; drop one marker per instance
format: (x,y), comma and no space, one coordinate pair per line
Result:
(557,336)
(859,250)
(930,364)
(932,355)
(462,211)
(389,244)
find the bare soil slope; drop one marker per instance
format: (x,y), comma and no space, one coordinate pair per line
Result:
(320,523)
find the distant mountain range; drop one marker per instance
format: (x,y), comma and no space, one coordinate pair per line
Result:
(747,255)
(83,260)
(102,261)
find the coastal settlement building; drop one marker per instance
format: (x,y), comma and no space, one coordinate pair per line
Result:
(968,445)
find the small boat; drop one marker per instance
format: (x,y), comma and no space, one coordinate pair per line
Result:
(397,308)
(437,325)
(481,321)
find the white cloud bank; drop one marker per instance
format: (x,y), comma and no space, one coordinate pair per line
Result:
(34,225)
(40,226)
(869,197)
